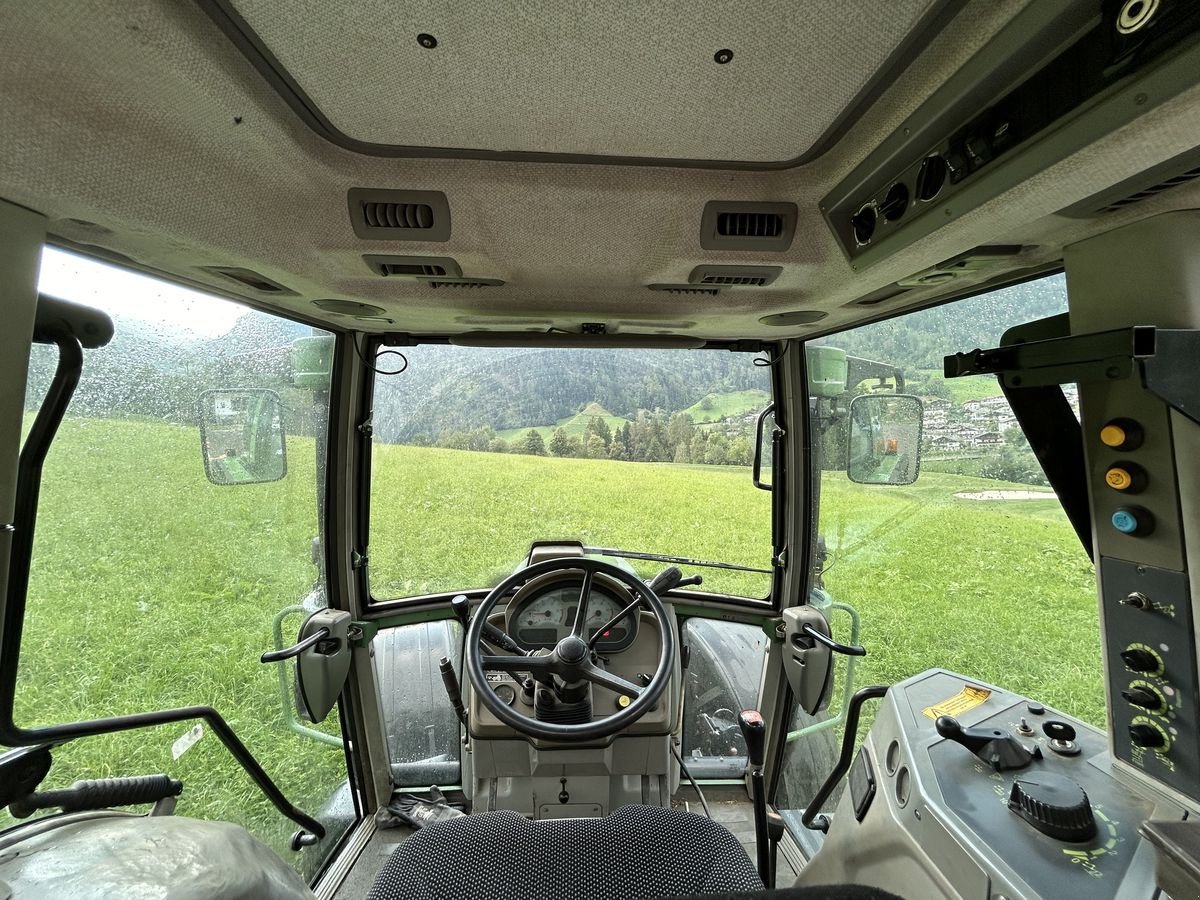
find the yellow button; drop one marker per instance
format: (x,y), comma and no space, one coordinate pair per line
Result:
(1112,435)
(623,701)
(1118,479)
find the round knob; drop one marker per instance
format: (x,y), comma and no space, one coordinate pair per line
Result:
(1133,521)
(1126,477)
(1122,434)
(1059,731)
(1054,805)
(1143,697)
(1147,736)
(1141,660)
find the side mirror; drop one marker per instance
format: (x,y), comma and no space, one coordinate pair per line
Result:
(765,436)
(884,439)
(241,436)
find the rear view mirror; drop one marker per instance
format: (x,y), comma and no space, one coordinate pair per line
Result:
(885,439)
(242,437)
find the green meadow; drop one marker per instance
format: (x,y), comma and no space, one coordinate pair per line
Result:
(153,588)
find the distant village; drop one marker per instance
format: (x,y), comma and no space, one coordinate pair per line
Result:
(974,425)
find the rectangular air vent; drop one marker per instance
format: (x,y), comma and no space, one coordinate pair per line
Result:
(422,267)
(735,276)
(1169,173)
(747,225)
(251,279)
(684,289)
(464,282)
(1166,185)
(386,215)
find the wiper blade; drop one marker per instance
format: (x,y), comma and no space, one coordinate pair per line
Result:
(677,560)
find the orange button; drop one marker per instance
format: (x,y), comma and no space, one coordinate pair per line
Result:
(1112,435)
(1118,479)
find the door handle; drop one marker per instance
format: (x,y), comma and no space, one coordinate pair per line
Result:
(312,640)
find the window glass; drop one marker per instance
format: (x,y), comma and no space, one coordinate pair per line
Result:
(724,675)
(423,733)
(478,453)
(972,568)
(151,586)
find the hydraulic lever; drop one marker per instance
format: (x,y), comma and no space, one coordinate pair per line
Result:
(754,731)
(461,607)
(995,746)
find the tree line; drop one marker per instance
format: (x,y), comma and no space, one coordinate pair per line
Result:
(652,437)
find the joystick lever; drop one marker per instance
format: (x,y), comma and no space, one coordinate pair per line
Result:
(995,746)
(754,731)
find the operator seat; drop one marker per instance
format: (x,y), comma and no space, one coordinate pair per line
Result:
(636,852)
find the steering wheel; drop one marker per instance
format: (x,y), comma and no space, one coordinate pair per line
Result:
(574,659)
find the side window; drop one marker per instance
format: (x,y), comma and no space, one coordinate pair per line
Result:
(423,734)
(974,566)
(157,577)
(724,676)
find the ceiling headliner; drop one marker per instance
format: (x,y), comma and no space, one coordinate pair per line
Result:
(579,78)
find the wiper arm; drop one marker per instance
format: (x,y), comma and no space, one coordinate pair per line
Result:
(677,560)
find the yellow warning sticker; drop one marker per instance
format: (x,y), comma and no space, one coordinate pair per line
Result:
(968,698)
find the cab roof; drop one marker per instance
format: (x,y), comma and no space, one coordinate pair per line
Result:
(428,168)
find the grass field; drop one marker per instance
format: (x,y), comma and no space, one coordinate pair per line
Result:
(964,389)
(573,425)
(153,588)
(715,407)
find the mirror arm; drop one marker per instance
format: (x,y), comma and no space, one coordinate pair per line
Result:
(312,640)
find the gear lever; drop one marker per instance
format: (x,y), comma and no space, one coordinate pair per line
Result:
(754,731)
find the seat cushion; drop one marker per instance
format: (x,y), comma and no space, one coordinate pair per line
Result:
(636,852)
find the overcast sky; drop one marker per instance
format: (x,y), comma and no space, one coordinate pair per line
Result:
(131,295)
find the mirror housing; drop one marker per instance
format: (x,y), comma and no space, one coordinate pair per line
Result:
(884,440)
(242,436)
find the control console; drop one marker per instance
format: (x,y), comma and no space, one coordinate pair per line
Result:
(965,790)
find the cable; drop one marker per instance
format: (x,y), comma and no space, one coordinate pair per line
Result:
(377,371)
(771,360)
(684,769)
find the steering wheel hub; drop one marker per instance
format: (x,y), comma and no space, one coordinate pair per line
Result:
(571,650)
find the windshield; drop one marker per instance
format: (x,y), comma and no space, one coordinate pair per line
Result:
(478,453)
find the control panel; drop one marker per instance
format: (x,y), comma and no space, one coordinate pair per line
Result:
(1146,605)
(985,793)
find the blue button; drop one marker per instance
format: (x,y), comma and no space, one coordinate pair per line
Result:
(1125,521)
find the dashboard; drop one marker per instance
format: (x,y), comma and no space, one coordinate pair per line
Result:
(543,611)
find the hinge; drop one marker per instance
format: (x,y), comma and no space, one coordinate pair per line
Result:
(366,429)
(358,560)
(360,634)
(781,559)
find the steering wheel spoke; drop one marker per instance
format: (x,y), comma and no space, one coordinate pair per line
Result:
(581,610)
(599,675)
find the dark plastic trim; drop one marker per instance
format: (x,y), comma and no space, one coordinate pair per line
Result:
(247,41)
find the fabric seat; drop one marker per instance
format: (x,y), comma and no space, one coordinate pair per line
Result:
(636,852)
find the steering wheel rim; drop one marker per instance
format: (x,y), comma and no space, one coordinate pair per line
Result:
(644,698)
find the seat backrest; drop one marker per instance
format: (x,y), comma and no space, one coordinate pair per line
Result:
(636,852)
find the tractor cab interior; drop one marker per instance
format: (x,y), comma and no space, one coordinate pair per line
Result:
(600,451)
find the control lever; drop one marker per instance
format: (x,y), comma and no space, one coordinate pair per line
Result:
(461,607)
(995,746)
(754,732)
(453,689)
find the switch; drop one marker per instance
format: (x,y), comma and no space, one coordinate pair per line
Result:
(1142,660)
(1147,736)
(1122,434)
(1133,521)
(1143,697)
(1126,477)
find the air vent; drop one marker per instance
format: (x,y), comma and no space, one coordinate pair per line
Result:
(735,276)
(399,215)
(421,267)
(251,279)
(684,289)
(1181,178)
(350,308)
(747,225)
(464,282)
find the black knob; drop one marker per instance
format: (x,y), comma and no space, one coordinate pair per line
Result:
(1059,731)
(1143,697)
(1140,660)
(754,731)
(1147,736)
(1054,805)
(461,607)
